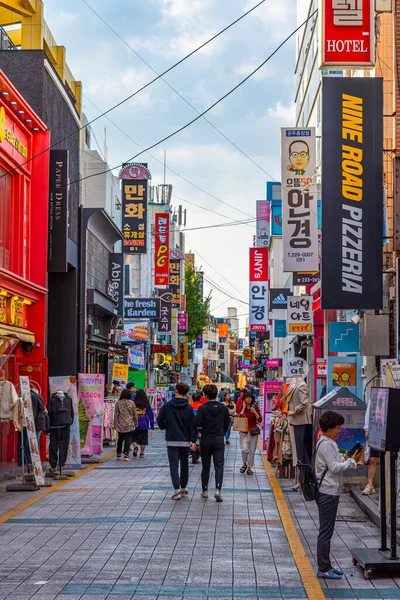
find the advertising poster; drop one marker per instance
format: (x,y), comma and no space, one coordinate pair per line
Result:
(379,399)
(299,200)
(390,372)
(352,154)
(134,216)
(120,373)
(91,410)
(344,374)
(30,428)
(161,243)
(68,385)
(258,289)
(136,357)
(300,315)
(263,223)
(135,332)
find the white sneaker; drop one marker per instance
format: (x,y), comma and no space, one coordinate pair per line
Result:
(184,492)
(218,496)
(177,495)
(368,490)
(204,494)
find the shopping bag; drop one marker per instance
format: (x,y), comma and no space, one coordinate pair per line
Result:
(240,424)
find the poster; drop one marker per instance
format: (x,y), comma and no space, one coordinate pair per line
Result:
(120,373)
(134,216)
(299,200)
(30,429)
(161,244)
(135,332)
(91,409)
(390,372)
(352,211)
(344,374)
(136,356)
(258,290)
(68,385)
(300,315)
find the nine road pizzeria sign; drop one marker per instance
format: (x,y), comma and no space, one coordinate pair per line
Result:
(348,34)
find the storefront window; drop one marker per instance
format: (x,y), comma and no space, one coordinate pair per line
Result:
(98,263)
(5,219)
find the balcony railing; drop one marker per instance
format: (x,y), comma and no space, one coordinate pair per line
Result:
(5,41)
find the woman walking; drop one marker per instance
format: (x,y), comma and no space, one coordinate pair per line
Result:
(249,440)
(231,409)
(140,437)
(125,421)
(329,468)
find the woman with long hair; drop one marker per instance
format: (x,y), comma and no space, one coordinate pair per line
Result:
(249,440)
(140,436)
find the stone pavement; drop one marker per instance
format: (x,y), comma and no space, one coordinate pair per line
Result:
(115,532)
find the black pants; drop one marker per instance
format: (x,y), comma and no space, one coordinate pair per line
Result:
(125,439)
(58,450)
(304,439)
(215,449)
(327,508)
(178,456)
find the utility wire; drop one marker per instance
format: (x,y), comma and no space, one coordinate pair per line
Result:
(140,89)
(218,288)
(164,139)
(175,90)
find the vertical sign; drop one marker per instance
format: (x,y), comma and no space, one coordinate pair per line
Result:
(117,280)
(348,34)
(164,323)
(182,322)
(300,315)
(263,223)
(30,429)
(161,261)
(175,281)
(299,200)
(134,216)
(258,309)
(58,212)
(352,210)
(182,358)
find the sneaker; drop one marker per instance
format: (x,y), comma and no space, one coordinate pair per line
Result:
(338,572)
(135,451)
(119,456)
(328,575)
(204,494)
(218,496)
(368,490)
(126,457)
(184,492)
(142,455)
(177,495)
(227,442)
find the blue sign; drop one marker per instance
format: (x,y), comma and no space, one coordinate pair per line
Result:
(276,217)
(199,342)
(136,357)
(280,328)
(344,337)
(240,345)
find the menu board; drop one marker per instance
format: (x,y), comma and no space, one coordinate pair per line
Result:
(378,418)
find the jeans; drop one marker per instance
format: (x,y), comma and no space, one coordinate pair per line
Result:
(228,433)
(248,446)
(58,449)
(125,439)
(178,455)
(327,508)
(215,449)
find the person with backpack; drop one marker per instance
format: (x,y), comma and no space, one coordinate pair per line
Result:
(330,466)
(145,415)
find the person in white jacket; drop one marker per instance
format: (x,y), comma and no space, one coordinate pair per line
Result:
(329,468)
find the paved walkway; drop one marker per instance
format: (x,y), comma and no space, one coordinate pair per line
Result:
(115,532)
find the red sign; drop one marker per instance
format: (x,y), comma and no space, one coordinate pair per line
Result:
(161,348)
(258,290)
(348,34)
(135,171)
(182,322)
(161,261)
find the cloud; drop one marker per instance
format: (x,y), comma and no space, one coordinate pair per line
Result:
(283,113)
(247,66)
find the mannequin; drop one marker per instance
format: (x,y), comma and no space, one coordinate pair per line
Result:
(299,410)
(8,398)
(61,413)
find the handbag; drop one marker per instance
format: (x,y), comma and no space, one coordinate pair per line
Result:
(240,424)
(255,430)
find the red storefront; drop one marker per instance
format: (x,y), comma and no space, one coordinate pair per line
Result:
(24,190)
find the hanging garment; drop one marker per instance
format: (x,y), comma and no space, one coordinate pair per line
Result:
(8,399)
(58,449)
(61,411)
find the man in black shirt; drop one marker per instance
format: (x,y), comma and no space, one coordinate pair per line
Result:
(213,421)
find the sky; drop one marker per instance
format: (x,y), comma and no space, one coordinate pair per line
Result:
(162,32)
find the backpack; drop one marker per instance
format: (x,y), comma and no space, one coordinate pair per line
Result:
(308,479)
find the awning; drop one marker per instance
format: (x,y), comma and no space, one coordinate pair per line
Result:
(17,332)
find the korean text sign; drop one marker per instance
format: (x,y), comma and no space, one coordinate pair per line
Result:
(91,409)
(258,289)
(348,33)
(300,315)
(352,211)
(182,357)
(182,322)
(161,260)
(175,280)
(134,216)
(299,200)
(263,223)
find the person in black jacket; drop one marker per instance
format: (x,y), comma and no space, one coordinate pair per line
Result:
(61,413)
(177,419)
(213,419)
(42,421)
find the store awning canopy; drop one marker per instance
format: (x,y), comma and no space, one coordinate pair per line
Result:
(17,332)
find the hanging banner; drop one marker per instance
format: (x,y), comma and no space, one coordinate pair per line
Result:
(174,329)
(68,385)
(182,322)
(258,289)
(263,223)
(120,373)
(91,409)
(164,323)
(300,315)
(58,212)
(161,243)
(30,429)
(348,34)
(299,200)
(116,282)
(175,280)
(134,216)
(182,358)
(352,212)
(136,356)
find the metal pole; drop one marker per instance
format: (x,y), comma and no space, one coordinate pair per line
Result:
(382,466)
(393,488)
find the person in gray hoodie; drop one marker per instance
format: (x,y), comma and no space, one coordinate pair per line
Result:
(330,466)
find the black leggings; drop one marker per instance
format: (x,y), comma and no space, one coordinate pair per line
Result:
(125,439)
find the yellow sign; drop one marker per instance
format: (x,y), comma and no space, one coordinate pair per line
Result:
(182,358)
(3,127)
(248,353)
(7,135)
(120,373)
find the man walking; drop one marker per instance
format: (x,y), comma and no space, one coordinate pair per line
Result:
(213,419)
(177,418)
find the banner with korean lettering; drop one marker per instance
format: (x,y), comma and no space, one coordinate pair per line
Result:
(134,216)
(182,357)
(161,261)
(175,280)
(263,223)
(258,289)
(165,322)
(300,315)
(299,200)
(91,409)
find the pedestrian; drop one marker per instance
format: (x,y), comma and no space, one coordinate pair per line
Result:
(329,468)
(249,440)
(221,394)
(231,409)
(125,422)
(213,420)
(195,402)
(132,388)
(373,460)
(145,415)
(176,417)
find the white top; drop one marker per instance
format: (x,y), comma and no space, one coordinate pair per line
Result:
(329,457)
(366,423)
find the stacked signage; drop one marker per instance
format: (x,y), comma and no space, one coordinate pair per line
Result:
(161,260)
(258,290)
